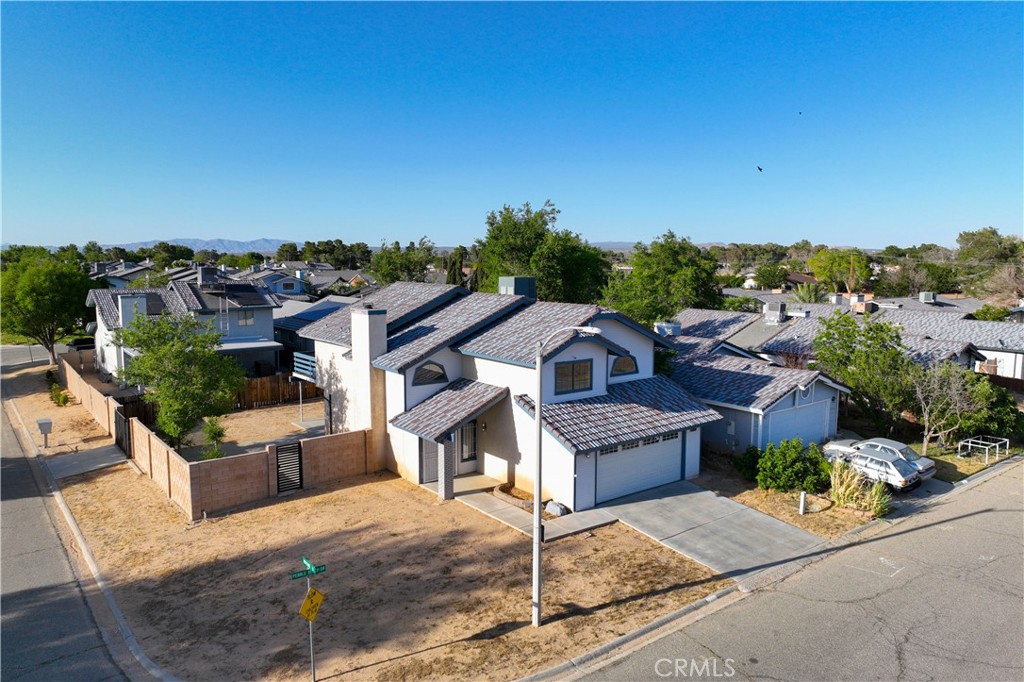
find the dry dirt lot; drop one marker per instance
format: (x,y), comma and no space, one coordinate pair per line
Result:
(822,517)
(248,430)
(415,589)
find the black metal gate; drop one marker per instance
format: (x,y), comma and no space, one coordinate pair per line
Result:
(122,432)
(289,467)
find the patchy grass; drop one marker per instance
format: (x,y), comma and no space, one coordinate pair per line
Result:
(822,517)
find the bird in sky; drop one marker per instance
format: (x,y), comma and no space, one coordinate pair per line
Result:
(760,170)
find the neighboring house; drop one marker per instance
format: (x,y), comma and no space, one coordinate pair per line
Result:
(242,312)
(761,403)
(446,381)
(279,282)
(287,326)
(125,273)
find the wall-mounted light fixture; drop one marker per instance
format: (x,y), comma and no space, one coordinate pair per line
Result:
(483,426)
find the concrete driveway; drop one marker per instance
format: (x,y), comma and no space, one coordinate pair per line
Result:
(725,536)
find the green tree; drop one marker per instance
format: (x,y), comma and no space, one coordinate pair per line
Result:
(997,414)
(991,313)
(150,280)
(287,251)
(513,236)
(92,252)
(453,271)
(69,254)
(668,276)
(808,292)
(164,253)
(18,253)
(788,466)
(394,264)
(568,269)
(987,246)
(45,300)
(834,268)
(742,304)
(183,373)
(771,275)
(944,399)
(869,358)
(207,256)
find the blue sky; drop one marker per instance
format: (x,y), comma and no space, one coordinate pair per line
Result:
(874,123)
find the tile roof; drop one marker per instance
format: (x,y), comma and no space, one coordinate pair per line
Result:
(157,300)
(453,407)
(713,324)
(403,301)
(738,381)
(629,411)
(795,337)
(689,346)
(443,327)
(985,335)
(515,339)
(927,352)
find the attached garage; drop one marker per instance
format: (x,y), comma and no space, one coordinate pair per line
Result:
(809,423)
(635,466)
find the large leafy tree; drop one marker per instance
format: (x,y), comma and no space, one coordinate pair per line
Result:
(395,264)
(45,300)
(183,373)
(568,269)
(771,275)
(513,237)
(848,269)
(944,399)
(869,358)
(669,275)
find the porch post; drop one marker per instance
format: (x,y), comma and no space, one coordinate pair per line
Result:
(446,470)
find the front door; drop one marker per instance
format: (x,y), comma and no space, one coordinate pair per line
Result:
(465,448)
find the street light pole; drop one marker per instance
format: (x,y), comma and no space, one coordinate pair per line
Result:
(538,525)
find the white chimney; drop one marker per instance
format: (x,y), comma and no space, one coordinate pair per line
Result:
(369,341)
(130,306)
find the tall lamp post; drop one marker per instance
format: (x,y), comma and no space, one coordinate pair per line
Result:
(538,526)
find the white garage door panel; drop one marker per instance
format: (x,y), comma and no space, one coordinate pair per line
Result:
(628,471)
(808,423)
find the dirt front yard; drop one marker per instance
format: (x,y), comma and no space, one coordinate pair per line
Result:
(821,516)
(415,589)
(249,430)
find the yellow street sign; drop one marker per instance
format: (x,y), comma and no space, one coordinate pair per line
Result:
(311,606)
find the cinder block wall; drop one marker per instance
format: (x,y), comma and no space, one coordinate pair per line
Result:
(329,459)
(231,481)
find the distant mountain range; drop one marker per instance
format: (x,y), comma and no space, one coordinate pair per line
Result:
(218,245)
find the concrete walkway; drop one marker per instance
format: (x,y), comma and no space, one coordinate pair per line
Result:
(474,490)
(62,466)
(726,536)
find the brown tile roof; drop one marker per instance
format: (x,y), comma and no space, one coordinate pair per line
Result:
(453,407)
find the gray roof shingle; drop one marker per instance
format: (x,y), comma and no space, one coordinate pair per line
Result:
(443,327)
(796,337)
(1005,336)
(446,411)
(403,301)
(713,324)
(631,410)
(515,339)
(157,301)
(738,381)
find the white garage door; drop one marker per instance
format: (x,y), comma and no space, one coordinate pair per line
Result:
(809,423)
(629,471)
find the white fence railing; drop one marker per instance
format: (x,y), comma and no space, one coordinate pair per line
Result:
(986,443)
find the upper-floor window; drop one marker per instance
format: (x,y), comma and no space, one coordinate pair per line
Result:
(571,377)
(429,373)
(246,318)
(288,286)
(624,365)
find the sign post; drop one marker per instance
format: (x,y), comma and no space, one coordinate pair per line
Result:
(311,605)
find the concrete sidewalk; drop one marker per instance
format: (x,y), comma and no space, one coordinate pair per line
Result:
(726,536)
(62,466)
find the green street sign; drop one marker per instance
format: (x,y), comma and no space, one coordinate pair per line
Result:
(300,574)
(310,569)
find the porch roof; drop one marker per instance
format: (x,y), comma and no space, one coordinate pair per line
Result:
(629,411)
(253,344)
(454,406)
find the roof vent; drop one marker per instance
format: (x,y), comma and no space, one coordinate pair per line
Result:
(669,328)
(927,297)
(774,313)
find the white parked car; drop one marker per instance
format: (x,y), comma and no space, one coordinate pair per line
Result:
(846,449)
(897,474)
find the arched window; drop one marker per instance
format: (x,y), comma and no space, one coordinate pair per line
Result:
(429,373)
(625,364)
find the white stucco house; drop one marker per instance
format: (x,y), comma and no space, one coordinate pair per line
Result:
(446,380)
(241,311)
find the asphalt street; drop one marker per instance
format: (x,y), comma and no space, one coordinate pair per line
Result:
(48,631)
(939,596)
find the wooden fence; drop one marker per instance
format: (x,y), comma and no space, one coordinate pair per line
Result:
(1007,382)
(274,390)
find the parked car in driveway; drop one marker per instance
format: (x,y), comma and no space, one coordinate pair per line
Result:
(845,449)
(897,474)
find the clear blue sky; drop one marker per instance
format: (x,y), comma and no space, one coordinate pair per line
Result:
(874,123)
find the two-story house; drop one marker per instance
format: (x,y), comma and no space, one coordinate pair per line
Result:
(446,380)
(241,311)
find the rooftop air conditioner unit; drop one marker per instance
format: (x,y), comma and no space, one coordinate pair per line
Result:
(774,313)
(927,297)
(670,328)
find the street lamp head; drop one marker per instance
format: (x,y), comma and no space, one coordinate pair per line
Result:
(589,330)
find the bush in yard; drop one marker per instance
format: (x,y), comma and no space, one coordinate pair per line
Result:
(213,432)
(846,485)
(787,466)
(746,463)
(879,501)
(58,395)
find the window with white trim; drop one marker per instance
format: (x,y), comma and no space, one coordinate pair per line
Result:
(246,318)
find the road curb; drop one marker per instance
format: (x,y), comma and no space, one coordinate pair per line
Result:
(122,623)
(578,663)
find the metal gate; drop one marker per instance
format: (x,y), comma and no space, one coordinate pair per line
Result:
(289,467)
(122,432)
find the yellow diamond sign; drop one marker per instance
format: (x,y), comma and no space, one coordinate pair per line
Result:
(311,605)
